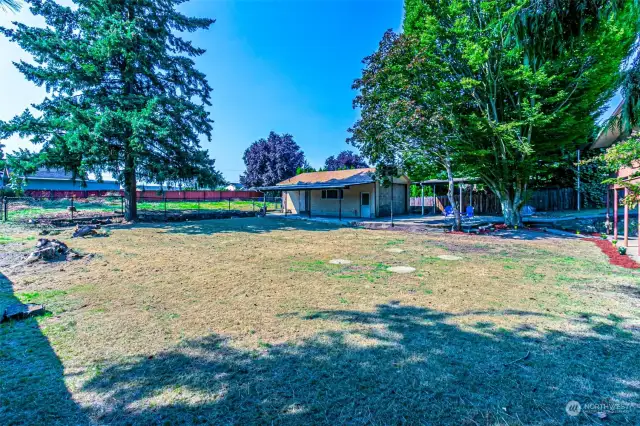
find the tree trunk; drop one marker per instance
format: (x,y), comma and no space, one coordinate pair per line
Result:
(511,204)
(457,226)
(130,201)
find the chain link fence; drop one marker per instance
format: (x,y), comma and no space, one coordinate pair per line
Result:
(47,210)
(155,209)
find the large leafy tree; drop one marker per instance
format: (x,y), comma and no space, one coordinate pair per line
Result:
(124,95)
(402,119)
(517,83)
(272,160)
(345,160)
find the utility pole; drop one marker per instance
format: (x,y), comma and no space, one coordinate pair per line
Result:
(578,180)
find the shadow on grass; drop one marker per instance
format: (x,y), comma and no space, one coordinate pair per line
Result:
(252,225)
(32,388)
(396,365)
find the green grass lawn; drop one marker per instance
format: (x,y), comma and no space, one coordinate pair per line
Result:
(206,205)
(247,321)
(22,210)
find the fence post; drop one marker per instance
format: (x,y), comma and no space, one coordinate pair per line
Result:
(253,204)
(72,197)
(165,207)
(122,205)
(5,203)
(229,204)
(198,206)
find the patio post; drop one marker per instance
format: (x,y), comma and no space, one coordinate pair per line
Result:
(460,206)
(422,200)
(309,201)
(339,204)
(392,202)
(626,220)
(608,191)
(638,228)
(615,213)
(435,199)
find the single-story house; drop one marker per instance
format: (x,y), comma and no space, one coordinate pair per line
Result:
(343,193)
(58,180)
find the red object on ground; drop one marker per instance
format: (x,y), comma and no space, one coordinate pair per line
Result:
(500,226)
(615,258)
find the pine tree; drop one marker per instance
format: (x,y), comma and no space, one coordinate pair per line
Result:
(124,95)
(13,5)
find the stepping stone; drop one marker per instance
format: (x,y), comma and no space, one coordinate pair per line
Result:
(340,261)
(449,257)
(401,269)
(394,250)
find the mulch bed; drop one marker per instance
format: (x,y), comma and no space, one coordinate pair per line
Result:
(615,258)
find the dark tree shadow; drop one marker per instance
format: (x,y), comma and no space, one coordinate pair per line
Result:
(32,387)
(396,365)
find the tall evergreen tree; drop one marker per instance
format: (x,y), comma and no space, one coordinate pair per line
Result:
(9,5)
(124,95)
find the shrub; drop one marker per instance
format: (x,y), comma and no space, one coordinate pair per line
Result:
(622,250)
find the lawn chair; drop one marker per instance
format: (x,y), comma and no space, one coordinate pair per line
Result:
(527,211)
(448,212)
(467,216)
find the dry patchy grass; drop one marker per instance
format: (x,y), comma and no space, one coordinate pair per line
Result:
(246,321)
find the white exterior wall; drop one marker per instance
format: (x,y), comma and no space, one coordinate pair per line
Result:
(295,201)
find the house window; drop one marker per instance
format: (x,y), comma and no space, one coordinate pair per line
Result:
(331,194)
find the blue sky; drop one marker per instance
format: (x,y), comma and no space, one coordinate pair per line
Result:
(282,65)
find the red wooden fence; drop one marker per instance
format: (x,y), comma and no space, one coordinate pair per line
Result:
(147,195)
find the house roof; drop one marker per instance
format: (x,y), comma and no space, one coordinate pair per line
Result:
(44,173)
(335,179)
(352,176)
(609,134)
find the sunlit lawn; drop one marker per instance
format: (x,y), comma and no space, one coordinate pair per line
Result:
(246,321)
(42,209)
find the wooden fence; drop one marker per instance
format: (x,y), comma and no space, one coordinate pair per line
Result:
(485,202)
(147,195)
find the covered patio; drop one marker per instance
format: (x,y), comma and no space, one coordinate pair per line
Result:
(430,205)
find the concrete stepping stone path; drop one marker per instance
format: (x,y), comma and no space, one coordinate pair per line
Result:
(339,261)
(449,257)
(401,269)
(394,250)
